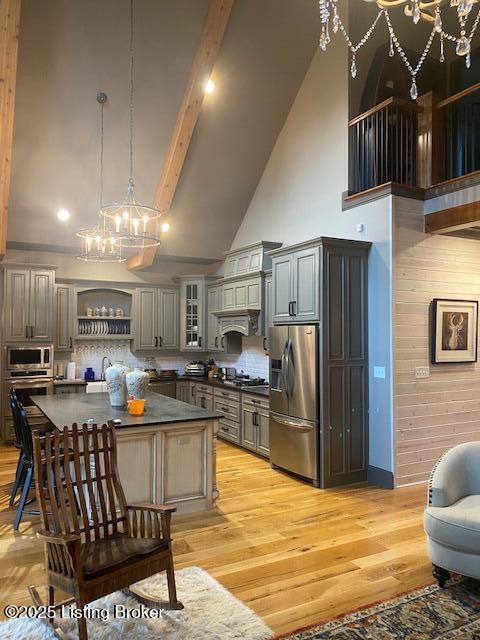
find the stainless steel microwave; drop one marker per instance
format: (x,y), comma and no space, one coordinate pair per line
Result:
(29,358)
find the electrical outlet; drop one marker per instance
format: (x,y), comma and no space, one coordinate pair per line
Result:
(379,372)
(422,372)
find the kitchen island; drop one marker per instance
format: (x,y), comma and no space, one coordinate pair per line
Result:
(166,456)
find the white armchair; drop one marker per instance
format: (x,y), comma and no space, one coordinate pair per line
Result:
(452,516)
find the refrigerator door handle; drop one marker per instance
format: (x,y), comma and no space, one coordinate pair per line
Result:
(304,427)
(291,369)
(285,369)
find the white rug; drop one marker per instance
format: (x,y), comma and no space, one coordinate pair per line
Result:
(211,613)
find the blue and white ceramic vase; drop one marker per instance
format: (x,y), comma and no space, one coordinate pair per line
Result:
(116,384)
(137,383)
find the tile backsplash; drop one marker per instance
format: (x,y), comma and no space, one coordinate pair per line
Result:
(252,360)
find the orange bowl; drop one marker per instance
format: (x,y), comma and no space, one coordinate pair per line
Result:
(136,407)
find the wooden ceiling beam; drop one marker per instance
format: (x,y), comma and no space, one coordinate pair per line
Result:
(461,217)
(9,29)
(205,58)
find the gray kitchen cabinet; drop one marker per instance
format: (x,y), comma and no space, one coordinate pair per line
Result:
(193,312)
(192,393)
(263,433)
(214,304)
(249,429)
(156,319)
(182,390)
(167,318)
(255,424)
(296,286)
(268,313)
(64,317)
(28,305)
(145,326)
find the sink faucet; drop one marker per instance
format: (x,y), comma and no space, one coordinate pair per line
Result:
(102,376)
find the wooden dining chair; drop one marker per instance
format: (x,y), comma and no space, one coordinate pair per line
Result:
(95,543)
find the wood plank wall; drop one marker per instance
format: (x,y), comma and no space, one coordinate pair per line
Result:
(433,414)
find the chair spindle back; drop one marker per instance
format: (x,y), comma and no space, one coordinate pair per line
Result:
(78,487)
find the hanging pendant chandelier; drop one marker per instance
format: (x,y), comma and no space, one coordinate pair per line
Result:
(136,224)
(431,11)
(99,243)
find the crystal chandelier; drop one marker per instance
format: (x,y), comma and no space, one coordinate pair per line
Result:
(99,243)
(429,11)
(135,224)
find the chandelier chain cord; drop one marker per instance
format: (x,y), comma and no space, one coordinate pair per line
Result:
(131,88)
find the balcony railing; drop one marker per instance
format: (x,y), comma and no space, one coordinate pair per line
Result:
(460,121)
(415,145)
(383,145)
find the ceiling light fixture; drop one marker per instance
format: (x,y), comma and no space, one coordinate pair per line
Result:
(209,86)
(429,11)
(63,215)
(135,224)
(99,243)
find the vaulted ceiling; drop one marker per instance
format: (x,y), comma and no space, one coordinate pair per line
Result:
(71,49)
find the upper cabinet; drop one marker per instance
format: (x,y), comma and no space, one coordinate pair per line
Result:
(64,326)
(250,259)
(156,325)
(28,304)
(214,304)
(193,313)
(268,313)
(295,284)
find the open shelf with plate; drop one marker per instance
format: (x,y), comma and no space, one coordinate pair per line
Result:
(104,314)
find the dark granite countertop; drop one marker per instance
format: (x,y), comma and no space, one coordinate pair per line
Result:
(63,383)
(216,383)
(66,409)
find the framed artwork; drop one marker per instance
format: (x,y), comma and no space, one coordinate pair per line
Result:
(455,331)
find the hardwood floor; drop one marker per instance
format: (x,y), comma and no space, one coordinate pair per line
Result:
(292,553)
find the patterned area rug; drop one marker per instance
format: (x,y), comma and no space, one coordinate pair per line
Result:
(425,614)
(211,613)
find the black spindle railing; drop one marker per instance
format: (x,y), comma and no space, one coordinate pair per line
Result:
(383,146)
(460,117)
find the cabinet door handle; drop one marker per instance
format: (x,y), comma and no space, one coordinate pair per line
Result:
(290,308)
(160,341)
(200,341)
(71,342)
(156,342)
(223,342)
(26,331)
(294,307)
(193,392)
(265,346)
(216,342)
(31,331)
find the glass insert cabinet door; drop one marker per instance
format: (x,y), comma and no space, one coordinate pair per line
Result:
(192,328)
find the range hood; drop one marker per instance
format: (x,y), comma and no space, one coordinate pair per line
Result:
(243,321)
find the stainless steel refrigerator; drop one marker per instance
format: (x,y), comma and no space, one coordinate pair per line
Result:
(294,400)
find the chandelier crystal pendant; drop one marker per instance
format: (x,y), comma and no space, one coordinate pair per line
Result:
(99,243)
(135,224)
(429,11)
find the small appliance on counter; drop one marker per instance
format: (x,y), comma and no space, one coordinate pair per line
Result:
(195,368)
(226,373)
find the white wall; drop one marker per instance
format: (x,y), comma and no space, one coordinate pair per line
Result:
(299,197)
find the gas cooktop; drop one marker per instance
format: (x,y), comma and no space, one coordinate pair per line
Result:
(247,382)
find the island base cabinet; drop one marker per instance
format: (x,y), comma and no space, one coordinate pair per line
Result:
(172,464)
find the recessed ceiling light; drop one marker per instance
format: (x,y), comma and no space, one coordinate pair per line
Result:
(165,227)
(209,86)
(63,215)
